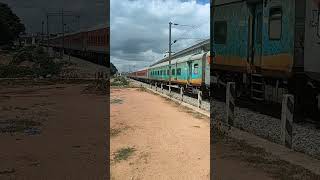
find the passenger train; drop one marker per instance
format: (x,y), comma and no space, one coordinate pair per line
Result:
(191,72)
(269,48)
(91,44)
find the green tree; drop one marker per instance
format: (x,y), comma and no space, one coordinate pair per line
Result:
(10,25)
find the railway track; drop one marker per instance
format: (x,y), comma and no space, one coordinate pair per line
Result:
(265,108)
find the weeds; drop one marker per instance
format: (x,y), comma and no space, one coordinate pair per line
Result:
(20,126)
(116,101)
(39,64)
(120,81)
(123,154)
(114,132)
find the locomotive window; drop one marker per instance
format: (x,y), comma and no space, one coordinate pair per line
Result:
(173,71)
(164,72)
(195,67)
(160,72)
(275,23)
(179,71)
(220,32)
(168,71)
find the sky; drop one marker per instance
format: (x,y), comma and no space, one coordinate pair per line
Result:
(32,13)
(139,29)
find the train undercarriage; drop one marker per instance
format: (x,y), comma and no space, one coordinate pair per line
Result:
(187,88)
(270,91)
(94,57)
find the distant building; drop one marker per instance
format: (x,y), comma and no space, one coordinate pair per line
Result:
(29,39)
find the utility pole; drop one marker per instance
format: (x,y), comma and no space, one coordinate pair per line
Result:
(170,23)
(48,33)
(62,19)
(62,14)
(42,31)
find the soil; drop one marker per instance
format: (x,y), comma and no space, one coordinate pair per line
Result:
(52,131)
(168,142)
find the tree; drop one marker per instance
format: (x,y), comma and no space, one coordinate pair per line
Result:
(113,69)
(10,25)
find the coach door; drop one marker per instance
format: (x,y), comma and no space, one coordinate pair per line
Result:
(189,71)
(257,40)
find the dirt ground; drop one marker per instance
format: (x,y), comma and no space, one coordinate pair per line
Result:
(52,131)
(167,142)
(154,138)
(235,159)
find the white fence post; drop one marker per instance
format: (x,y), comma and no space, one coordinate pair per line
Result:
(161,87)
(169,89)
(181,93)
(230,102)
(156,87)
(199,99)
(287,120)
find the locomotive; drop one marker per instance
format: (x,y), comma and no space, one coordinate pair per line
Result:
(191,72)
(269,48)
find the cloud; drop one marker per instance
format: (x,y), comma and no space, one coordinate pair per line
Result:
(139,29)
(32,13)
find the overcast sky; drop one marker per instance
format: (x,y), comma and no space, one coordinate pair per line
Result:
(32,13)
(139,29)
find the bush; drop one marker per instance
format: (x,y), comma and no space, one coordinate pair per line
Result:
(42,63)
(12,71)
(120,81)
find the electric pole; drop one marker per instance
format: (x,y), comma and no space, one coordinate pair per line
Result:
(63,14)
(170,23)
(42,31)
(48,37)
(62,20)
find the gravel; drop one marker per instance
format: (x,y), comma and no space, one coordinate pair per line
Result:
(306,138)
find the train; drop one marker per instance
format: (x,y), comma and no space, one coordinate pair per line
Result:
(268,48)
(191,72)
(91,44)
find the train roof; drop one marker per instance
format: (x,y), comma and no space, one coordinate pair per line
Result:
(185,51)
(100,26)
(182,59)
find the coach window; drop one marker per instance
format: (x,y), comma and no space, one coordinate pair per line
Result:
(275,23)
(173,71)
(179,71)
(195,68)
(220,32)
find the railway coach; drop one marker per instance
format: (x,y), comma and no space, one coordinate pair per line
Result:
(91,44)
(191,72)
(269,48)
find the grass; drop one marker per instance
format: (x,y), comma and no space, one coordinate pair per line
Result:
(114,132)
(123,154)
(120,81)
(142,89)
(19,126)
(116,101)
